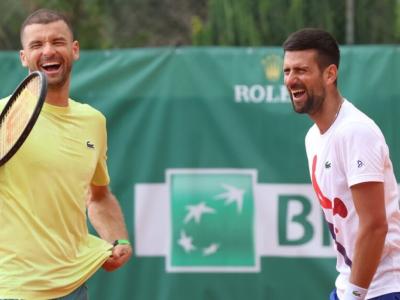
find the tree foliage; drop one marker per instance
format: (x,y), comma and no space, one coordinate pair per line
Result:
(102,24)
(267,22)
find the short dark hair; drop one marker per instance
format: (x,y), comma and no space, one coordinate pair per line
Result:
(321,41)
(45,16)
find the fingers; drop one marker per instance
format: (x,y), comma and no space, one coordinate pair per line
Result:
(120,255)
(112,264)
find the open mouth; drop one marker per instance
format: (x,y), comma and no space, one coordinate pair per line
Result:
(298,93)
(51,67)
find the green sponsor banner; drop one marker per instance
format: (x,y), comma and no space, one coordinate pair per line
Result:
(212,221)
(207,160)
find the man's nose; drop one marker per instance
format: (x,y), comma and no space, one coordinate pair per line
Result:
(289,78)
(48,49)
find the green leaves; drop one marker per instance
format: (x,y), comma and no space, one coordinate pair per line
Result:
(103,24)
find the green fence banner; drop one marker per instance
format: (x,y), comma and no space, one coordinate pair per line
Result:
(207,159)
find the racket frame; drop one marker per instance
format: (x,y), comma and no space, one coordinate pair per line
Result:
(34,116)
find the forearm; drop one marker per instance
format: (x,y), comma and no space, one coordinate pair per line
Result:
(367,254)
(107,219)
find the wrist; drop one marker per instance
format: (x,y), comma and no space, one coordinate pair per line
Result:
(354,292)
(121,242)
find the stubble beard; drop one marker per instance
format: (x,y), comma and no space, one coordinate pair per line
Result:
(311,105)
(56,84)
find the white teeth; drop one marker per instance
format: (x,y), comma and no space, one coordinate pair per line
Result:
(298,93)
(50,64)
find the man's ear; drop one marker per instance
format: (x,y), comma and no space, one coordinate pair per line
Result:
(22,57)
(331,74)
(75,50)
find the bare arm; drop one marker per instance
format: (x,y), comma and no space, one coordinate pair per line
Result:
(370,206)
(107,219)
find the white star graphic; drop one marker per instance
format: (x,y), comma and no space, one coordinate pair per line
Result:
(213,248)
(232,194)
(196,211)
(186,242)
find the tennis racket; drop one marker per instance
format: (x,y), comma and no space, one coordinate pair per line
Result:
(21,113)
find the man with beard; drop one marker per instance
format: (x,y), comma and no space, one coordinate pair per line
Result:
(60,172)
(350,170)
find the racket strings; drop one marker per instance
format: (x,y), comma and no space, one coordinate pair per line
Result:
(18,116)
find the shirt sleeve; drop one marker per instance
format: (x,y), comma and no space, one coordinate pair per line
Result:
(363,150)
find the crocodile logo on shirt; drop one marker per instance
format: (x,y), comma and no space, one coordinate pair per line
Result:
(89,145)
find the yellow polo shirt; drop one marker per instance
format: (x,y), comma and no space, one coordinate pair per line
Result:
(45,249)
